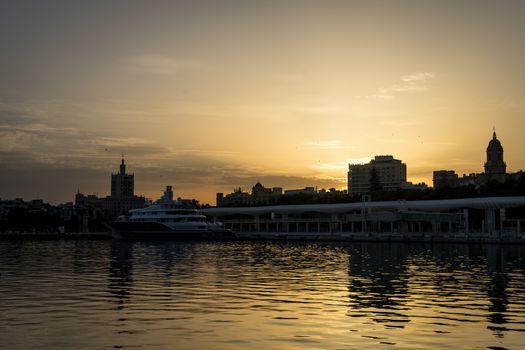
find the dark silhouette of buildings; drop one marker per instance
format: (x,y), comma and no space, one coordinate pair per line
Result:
(261,195)
(122,197)
(495,170)
(383,173)
(121,200)
(445,178)
(495,167)
(122,184)
(390,173)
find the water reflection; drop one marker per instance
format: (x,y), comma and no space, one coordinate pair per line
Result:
(379,282)
(120,271)
(234,295)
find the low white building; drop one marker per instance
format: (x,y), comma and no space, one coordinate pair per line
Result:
(390,218)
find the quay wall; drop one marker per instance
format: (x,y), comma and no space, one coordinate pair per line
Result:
(54,235)
(444,237)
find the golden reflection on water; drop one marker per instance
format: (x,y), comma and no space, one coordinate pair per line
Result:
(264,295)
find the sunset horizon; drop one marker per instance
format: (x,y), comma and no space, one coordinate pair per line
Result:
(212,96)
(277,174)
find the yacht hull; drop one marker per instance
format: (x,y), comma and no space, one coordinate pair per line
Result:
(159,231)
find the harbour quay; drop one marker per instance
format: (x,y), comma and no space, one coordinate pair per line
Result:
(53,235)
(490,220)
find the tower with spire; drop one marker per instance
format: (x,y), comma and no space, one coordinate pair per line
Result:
(495,167)
(122,184)
(122,198)
(122,165)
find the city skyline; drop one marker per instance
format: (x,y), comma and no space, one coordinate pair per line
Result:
(211,96)
(115,177)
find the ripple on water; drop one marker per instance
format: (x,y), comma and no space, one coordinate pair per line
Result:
(238,295)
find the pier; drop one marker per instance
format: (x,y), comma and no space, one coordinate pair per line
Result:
(493,219)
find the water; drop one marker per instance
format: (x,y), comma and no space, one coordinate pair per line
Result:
(260,295)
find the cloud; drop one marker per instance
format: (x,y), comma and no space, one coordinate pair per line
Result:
(407,83)
(417,77)
(411,82)
(161,64)
(41,157)
(69,146)
(193,174)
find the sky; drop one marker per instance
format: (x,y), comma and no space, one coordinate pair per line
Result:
(211,95)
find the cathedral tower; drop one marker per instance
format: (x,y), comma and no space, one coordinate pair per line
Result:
(495,164)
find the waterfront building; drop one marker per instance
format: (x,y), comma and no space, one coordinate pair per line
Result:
(122,198)
(495,167)
(121,205)
(420,186)
(122,184)
(90,200)
(306,190)
(471,179)
(261,195)
(390,220)
(237,197)
(495,170)
(445,178)
(20,215)
(34,206)
(390,173)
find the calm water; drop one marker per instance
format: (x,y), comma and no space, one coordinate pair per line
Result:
(260,295)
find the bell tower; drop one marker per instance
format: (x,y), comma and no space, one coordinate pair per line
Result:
(495,164)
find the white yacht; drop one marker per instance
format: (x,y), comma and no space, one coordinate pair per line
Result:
(168,219)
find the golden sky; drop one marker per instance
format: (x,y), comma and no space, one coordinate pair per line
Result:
(211,95)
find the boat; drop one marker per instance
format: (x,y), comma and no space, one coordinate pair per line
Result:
(168,219)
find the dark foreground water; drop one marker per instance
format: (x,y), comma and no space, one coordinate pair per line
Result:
(260,295)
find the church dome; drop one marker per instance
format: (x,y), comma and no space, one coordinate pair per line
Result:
(495,164)
(494,144)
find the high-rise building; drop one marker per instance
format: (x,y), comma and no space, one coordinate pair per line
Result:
(122,198)
(122,184)
(391,175)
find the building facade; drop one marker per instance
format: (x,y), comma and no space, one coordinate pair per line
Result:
(122,198)
(122,184)
(390,173)
(495,167)
(261,195)
(237,197)
(495,170)
(445,178)
(426,220)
